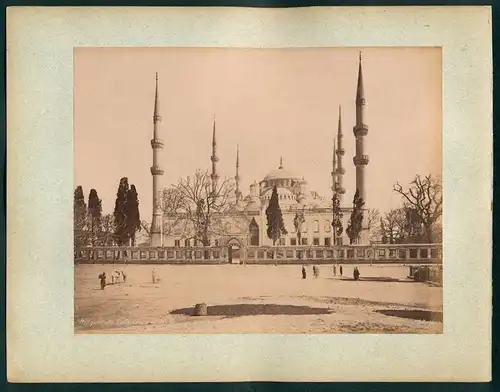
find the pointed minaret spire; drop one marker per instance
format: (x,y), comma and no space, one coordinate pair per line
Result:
(360,131)
(281,163)
(340,171)
(237,176)
(156,171)
(360,93)
(214,158)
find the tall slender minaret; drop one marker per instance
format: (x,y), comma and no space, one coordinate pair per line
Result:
(360,131)
(340,153)
(237,176)
(214,158)
(334,169)
(156,172)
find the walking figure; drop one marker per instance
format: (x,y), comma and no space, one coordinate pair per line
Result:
(315,271)
(112,278)
(341,271)
(334,270)
(356,273)
(154,276)
(124,277)
(304,273)
(102,277)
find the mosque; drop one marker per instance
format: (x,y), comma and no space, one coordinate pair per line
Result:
(246,223)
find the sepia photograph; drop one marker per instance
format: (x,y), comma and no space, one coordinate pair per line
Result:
(231,194)
(259,191)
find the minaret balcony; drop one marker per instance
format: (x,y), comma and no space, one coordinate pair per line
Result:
(340,152)
(340,170)
(156,144)
(361,160)
(157,118)
(214,158)
(360,130)
(360,101)
(214,176)
(156,170)
(340,190)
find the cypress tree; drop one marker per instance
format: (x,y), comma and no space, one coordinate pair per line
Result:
(120,212)
(337,226)
(275,225)
(79,218)
(132,218)
(356,222)
(95,212)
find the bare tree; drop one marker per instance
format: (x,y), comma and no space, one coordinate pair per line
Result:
(373,223)
(198,209)
(424,201)
(392,226)
(106,233)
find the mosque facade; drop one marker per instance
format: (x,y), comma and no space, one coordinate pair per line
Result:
(245,222)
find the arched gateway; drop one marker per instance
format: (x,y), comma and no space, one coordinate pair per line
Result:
(235,250)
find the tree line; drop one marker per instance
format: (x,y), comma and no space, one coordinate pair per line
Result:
(92,228)
(417,220)
(196,210)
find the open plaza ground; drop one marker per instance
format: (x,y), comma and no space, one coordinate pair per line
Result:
(255,299)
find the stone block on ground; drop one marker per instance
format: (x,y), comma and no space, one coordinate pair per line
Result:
(200,309)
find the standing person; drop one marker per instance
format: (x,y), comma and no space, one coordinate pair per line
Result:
(341,271)
(112,278)
(304,273)
(356,273)
(154,276)
(102,278)
(124,277)
(317,271)
(334,270)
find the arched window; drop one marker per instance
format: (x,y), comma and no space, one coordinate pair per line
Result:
(316,226)
(328,226)
(254,233)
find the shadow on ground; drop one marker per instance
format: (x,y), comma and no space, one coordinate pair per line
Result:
(378,279)
(239,310)
(425,315)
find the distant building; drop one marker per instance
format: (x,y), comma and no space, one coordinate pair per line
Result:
(246,223)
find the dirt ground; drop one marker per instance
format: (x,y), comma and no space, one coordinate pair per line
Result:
(254,299)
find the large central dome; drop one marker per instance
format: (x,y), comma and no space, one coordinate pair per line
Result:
(281,173)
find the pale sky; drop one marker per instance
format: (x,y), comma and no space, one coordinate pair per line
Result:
(273,102)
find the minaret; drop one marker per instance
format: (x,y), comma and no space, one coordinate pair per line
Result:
(156,172)
(214,158)
(360,131)
(340,153)
(281,163)
(237,176)
(334,169)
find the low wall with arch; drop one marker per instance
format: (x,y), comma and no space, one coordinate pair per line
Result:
(410,254)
